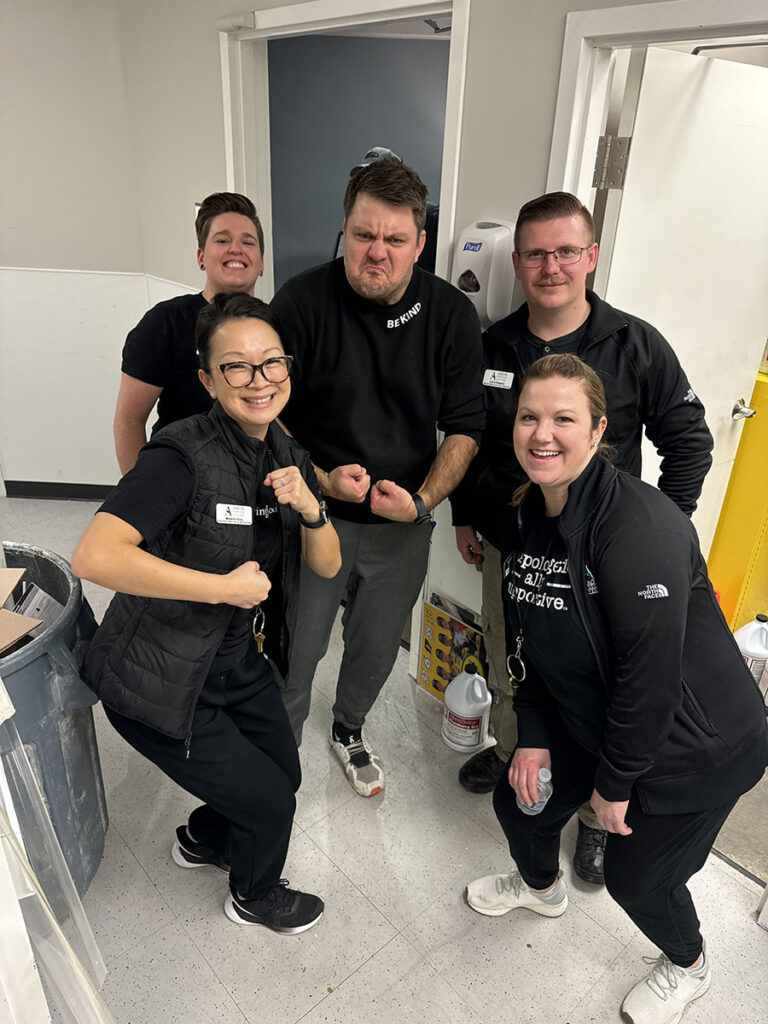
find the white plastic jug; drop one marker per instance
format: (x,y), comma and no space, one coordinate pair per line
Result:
(467,711)
(753,644)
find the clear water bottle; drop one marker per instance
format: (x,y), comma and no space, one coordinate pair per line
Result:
(544,793)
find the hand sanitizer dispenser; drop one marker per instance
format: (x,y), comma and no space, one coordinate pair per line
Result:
(482,268)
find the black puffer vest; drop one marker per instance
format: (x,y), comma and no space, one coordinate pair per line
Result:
(150,656)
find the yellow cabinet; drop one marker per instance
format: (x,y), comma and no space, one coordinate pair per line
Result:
(738,560)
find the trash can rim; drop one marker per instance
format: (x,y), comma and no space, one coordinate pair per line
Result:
(38,644)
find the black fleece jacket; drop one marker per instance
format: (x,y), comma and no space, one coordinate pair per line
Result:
(676,714)
(645,387)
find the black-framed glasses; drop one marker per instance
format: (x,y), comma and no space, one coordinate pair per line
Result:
(565,254)
(276,369)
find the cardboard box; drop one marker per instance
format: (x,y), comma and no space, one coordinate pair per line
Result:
(448,642)
(13,627)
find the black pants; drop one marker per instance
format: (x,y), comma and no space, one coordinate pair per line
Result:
(242,762)
(646,872)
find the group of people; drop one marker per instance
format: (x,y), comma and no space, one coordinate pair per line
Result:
(295,462)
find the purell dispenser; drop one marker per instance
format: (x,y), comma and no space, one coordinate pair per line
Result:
(482,268)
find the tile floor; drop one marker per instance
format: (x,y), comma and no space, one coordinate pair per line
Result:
(397,943)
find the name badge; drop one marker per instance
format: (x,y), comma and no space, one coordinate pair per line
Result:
(498,379)
(234,515)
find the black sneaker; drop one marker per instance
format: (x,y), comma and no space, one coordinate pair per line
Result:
(282,909)
(589,856)
(189,854)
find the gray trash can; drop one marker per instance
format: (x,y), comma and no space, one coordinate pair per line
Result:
(53,713)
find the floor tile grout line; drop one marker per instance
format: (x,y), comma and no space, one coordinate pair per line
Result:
(213,970)
(368,900)
(446,978)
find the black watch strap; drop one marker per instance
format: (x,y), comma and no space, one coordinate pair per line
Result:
(423,515)
(318,522)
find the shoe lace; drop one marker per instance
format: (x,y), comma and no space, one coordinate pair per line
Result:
(664,976)
(358,750)
(280,896)
(594,839)
(509,883)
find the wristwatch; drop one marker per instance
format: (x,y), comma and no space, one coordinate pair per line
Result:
(423,515)
(318,522)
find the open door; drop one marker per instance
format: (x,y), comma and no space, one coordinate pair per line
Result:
(689,252)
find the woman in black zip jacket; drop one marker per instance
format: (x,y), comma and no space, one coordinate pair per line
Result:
(630,688)
(212,520)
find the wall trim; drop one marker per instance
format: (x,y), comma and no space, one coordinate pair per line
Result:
(244,69)
(57,489)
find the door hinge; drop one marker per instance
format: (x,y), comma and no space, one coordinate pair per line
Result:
(611,162)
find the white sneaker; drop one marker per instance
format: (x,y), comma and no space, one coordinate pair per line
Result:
(495,895)
(662,997)
(362,767)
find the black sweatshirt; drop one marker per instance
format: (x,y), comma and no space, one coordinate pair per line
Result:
(372,381)
(671,710)
(645,386)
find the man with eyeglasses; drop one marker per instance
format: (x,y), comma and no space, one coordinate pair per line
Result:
(646,389)
(385,353)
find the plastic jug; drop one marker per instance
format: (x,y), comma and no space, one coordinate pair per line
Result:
(753,644)
(466,711)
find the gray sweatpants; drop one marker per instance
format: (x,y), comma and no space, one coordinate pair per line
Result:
(382,569)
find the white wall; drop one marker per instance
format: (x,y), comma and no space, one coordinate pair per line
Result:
(173,84)
(112,128)
(113,125)
(63,332)
(68,195)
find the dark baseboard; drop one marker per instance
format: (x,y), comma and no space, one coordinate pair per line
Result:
(69,492)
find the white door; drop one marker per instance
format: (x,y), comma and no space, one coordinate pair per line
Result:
(690,253)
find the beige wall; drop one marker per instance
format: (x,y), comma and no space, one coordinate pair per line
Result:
(171,57)
(513,68)
(173,83)
(114,127)
(67,182)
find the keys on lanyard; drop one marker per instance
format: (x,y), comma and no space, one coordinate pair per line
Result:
(258,629)
(516,671)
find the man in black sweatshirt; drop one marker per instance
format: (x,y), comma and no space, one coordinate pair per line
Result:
(385,353)
(646,389)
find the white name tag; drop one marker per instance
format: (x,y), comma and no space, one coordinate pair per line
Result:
(498,378)
(236,515)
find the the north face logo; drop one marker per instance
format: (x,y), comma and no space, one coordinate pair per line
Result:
(653,590)
(591,584)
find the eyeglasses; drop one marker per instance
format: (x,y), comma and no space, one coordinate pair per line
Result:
(275,370)
(538,257)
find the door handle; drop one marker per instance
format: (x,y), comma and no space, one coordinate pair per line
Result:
(741,411)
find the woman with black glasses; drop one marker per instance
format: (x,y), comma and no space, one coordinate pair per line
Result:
(202,542)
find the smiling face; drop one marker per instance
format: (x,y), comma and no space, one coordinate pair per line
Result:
(381,245)
(255,406)
(554,436)
(555,287)
(231,257)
